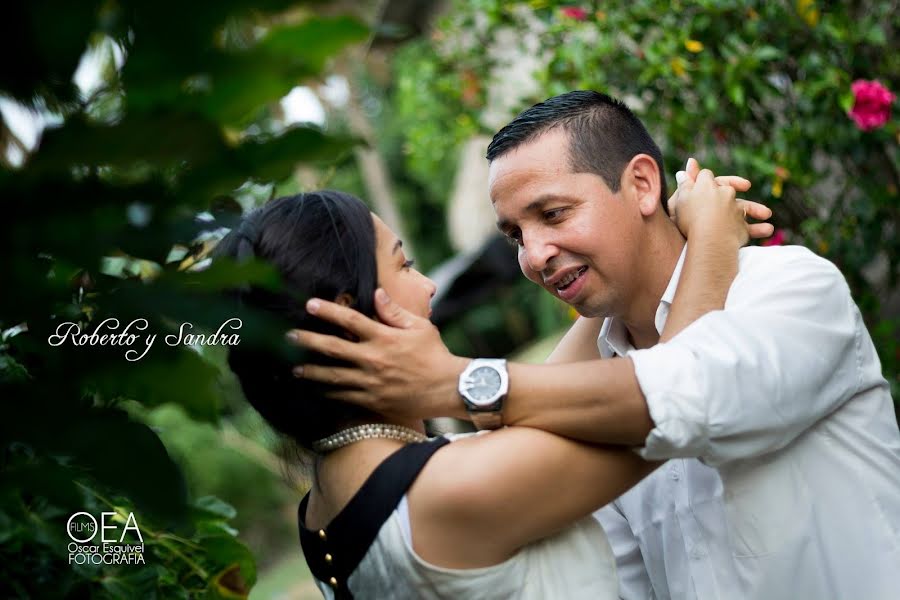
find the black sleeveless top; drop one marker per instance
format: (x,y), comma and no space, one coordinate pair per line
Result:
(333,553)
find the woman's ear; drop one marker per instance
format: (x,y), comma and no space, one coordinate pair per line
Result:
(344,299)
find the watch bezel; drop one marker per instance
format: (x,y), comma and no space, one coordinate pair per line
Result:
(494,402)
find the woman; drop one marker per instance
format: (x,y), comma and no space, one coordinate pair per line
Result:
(382,519)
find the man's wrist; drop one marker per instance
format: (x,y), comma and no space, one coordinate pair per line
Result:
(444,396)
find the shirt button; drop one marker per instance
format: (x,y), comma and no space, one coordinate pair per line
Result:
(696,553)
(673,473)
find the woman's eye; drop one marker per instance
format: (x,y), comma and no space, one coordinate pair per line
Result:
(409,263)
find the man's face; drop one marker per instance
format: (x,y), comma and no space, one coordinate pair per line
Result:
(576,238)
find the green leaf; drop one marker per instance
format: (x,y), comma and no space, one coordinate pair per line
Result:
(767,53)
(105,446)
(313,41)
(223,553)
(846,101)
(11,370)
(736,93)
(224,274)
(131,581)
(43,42)
(166,140)
(228,584)
(165,374)
(216,507)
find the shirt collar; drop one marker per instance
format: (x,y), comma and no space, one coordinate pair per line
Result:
(613,339)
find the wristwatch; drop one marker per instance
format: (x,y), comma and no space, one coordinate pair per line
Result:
(483,386)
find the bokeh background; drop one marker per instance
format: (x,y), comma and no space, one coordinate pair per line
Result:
(134,133)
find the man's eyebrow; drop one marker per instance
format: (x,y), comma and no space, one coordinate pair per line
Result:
(397,245)
(534,206)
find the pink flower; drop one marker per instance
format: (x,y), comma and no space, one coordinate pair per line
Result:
(871,104)
(574,12)
(777,239)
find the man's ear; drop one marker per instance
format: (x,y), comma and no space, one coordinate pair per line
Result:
(641,178)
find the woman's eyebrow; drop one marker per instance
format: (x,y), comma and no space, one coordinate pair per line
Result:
(397,245)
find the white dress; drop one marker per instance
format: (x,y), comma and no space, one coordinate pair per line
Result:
(576,563)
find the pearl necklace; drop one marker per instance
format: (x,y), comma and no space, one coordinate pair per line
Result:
(345,437)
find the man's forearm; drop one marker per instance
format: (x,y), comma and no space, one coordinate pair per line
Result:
(596,401)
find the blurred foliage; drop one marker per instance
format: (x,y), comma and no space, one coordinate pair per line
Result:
(760,89)
(231,464)
(182,125)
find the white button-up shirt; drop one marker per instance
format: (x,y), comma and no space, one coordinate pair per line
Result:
(784,478)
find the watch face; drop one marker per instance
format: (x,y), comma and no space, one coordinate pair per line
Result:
(483,384)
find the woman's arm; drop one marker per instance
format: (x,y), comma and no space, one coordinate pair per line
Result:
(715,224)
(481,499)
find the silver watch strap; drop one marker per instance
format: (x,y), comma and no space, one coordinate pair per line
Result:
(487,420)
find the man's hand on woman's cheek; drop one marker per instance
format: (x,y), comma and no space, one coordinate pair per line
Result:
(400,367)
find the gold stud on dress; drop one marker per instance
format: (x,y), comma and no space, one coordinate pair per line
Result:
(322,535)
(333,582)
(328,558)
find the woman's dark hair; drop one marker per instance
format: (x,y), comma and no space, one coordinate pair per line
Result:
(323,245)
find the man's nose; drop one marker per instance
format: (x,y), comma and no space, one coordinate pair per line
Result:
(539,250)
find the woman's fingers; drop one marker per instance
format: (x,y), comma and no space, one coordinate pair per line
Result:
(738,183)
(692,168)
(760,230)
(755,210)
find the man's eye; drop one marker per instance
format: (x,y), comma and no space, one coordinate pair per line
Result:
(514,238)
(553,214)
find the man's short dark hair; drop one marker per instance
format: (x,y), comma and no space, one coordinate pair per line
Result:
(604,135)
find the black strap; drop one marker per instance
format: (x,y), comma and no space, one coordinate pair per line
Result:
(348,537)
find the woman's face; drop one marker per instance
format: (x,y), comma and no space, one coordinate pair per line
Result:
(406,286)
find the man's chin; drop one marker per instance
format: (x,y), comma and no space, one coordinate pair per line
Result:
(589,310)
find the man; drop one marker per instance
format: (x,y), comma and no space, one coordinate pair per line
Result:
(783,472)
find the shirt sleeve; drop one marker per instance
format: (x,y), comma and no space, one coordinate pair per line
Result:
(634,581)
(748,379)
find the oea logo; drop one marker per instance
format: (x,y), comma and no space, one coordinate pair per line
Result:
(82,527)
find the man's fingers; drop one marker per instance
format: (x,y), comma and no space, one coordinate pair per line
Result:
(358,397)
(353,321)
(328,345)
(738,183)
(392,313)
(755,210)
(336,376)
(760,230)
